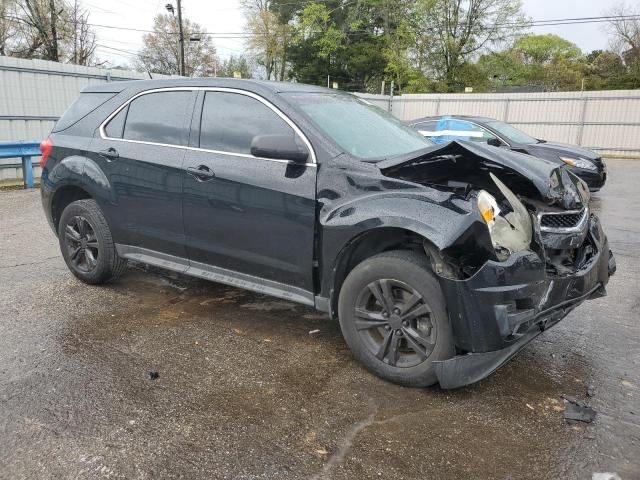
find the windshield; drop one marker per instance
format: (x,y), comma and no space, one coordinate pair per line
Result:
(361,129)
(512,134)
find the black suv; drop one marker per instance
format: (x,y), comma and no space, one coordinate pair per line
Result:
(440,261)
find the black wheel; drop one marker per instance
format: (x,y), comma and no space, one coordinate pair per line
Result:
(86,243)
(394,318)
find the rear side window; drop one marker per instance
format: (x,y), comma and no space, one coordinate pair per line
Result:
(231,120)
(157,117)
(83,106)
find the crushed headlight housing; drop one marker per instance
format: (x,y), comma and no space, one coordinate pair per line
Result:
(511,232)
(579,163)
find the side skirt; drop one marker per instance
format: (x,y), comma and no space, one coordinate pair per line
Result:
(216,274)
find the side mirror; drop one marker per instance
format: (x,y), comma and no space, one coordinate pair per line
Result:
(278,147)
(494,142)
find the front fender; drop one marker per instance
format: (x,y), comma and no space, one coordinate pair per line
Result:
(436,216)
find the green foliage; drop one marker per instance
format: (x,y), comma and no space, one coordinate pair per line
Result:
(233,65)
(424,46)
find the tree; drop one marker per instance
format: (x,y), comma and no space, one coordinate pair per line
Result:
(269,37)
(548,61)
(84,38)
(47,29)
(233,65)
(625,30)
(625,40)
(7,25)
(456,31)
(160,52)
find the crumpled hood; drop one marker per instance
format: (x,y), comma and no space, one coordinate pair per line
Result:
(552,150)
(554,184)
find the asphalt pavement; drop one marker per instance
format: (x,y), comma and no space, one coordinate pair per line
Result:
(161,376)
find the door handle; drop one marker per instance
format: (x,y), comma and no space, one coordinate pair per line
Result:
(110,153)
(202,173)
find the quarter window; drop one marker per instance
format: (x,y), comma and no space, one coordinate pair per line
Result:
(116,124)
(230,121)
(158,117)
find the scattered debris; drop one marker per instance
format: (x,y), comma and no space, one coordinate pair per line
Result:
(575,412)
(237,331)
(529,406)
(628,384)
(313,332)
(591,390)
(322,451)
(153,375)
(605,476)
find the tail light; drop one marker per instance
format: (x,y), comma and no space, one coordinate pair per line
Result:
(45,148)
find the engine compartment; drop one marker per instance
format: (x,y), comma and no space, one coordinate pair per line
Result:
(520,202)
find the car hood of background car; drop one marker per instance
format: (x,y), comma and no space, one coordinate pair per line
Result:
(555,185)
(553,151)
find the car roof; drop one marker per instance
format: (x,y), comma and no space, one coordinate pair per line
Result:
(471,118)
(263,86)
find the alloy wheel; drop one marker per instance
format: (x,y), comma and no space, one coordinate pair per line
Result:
(394,322)
(82,244)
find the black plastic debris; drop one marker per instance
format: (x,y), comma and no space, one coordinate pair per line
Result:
(153,375)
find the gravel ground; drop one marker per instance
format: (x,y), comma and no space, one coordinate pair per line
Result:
(243,390)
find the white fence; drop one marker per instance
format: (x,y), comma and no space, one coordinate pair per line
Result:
(35,93)
(606,121)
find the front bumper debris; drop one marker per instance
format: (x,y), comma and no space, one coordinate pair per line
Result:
(507,304)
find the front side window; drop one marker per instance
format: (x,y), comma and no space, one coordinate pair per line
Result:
(361,129)
(511,133)
(230,121)
(158,117)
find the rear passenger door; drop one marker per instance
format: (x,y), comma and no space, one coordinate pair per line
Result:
(245,214)
(141,150)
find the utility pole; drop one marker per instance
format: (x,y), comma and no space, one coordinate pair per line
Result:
(181,37)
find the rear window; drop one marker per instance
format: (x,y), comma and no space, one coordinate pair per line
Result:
(83,106)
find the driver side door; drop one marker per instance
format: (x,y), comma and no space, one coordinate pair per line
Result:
(247,215)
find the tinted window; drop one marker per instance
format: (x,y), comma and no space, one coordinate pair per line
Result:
(511,133)
(158,117)
(231,120)
(358,127)
(83,106)
(115,126)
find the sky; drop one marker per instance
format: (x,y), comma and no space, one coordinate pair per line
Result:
(224,16)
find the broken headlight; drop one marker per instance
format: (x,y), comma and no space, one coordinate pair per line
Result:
(510,232)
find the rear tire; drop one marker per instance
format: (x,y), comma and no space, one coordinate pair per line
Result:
(87,245)
(394,318)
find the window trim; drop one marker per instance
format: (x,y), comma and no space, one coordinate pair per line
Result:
(296,129)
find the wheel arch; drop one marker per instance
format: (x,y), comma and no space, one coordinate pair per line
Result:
(74,178)
(64,196)
(371,242)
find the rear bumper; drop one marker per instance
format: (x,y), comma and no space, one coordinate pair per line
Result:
(505,305)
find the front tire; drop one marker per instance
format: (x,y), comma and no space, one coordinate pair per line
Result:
(87,245)
(393,316)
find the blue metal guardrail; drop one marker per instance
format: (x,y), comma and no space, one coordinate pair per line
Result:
(24,150)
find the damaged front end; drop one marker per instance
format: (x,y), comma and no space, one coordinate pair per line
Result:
(549,252)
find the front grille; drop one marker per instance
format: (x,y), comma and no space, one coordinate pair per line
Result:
(561,221)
